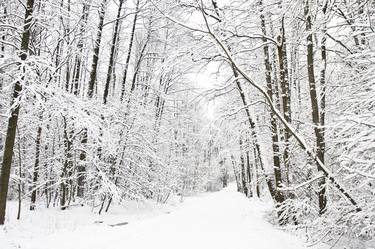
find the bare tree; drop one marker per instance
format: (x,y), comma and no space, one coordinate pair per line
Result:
(131,41)
(112,53)
(319,133)
(13,119)
(95,56)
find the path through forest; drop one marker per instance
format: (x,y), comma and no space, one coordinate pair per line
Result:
(221,220)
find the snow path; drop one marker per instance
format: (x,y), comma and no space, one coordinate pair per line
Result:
(221,220)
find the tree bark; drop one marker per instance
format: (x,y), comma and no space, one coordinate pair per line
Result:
(256,178)
(66,168)
(3,38)
(279,197)
(2,55)
(112,54)
(248,170)
(13,119)
(138,65)
(238,183)
(323,75)
(81,168)
(20,178)
(285,93)
(67,33)
(319,137)
(245,189)
(78,64)
(36,168)
(132,35)
(95,56)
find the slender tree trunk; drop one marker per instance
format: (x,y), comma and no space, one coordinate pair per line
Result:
(137,66)
(236,176)
(319,136)
(78,64)
(248,170)
(243,171)
(2,55)
(323,75)
(13,119)
(81,169)
(285,94)
(66,168)
(132,35)
(20,178)
(59,45)
(279,197)
(95,56)
(3,37)
(102,205)
(90,93)
(257,187)
(67,33)
(36,168)
(112,54)
(111,199)
(253,132)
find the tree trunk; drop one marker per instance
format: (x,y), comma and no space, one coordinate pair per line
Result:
(2,55)
(95,56)
(13,119)
(279,197)
(315,108)
(285,93)
(132,34)
(236,176)
(248,170)
(36,168)
(253,131)
(67,34)
(81,169)
(112,54)
(78,64)
(66,168)
(138,65)
(243,171)
(257,188)
(20,178)
(323,75)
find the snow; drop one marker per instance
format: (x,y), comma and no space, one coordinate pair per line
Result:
(220,220)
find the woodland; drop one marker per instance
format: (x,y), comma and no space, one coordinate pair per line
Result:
(103,102)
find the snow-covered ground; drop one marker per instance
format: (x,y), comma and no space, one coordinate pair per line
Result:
(221,220)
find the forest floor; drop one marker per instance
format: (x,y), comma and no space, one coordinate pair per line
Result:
(220,220)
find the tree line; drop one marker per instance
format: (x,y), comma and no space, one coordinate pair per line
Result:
(290,76)
(100,105)
(95,109)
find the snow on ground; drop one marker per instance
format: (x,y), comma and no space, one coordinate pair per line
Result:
(221,220)
(44,223)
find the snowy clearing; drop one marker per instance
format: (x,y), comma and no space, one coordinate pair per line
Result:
(224,219)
